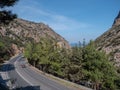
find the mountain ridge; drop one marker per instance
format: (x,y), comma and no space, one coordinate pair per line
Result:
(110,41)
(24,31)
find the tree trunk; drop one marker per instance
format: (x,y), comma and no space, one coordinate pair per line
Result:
(96,86)
(34,63)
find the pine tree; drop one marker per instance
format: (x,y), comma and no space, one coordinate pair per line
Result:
(6,15)
(74,67)
(98,69)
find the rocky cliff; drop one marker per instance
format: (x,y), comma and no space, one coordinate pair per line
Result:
(22,31)
(110,41)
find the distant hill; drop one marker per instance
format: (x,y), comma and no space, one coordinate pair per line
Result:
(19,32)
(73,44)
(110,41)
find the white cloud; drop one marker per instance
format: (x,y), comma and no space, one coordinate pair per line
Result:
(57,22)
(60,23)
(67,24)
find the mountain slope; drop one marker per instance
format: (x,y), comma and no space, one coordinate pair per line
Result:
(110,41)
(22,31)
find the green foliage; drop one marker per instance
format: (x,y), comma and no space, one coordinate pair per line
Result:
(5,47)
(6,15)
(2,46)
(46,57)
(4,54)
(97,68)
(87,64)
(8,3)
(84,63)
(28,51)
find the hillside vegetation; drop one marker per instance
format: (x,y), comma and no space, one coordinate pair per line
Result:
(110,42)
(89,65)
(83,64)
(15,35)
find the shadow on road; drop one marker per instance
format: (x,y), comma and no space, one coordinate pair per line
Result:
(3,69)
(29,88)
(7,67)
(3,87)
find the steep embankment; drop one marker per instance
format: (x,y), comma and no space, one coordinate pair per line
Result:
(110,41)
(13,37)
(21,31)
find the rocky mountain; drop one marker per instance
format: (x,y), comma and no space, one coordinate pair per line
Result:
(110,41)
(22,31)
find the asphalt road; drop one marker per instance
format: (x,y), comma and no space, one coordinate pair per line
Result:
(26,78)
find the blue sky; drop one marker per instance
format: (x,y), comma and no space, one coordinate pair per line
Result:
(72,19)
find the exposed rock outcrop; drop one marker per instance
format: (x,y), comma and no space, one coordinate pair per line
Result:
(110,41)
(22,31)
(117,20)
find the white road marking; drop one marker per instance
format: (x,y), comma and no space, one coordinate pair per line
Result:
(20,73)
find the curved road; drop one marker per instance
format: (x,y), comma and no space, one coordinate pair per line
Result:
(18,74)
(26,78)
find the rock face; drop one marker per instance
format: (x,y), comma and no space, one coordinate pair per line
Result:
(110,41)
(15,49)
(117,20)
(25,31)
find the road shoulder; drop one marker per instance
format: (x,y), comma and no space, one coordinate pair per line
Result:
(61,81)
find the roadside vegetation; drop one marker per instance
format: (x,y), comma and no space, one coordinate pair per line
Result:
(6,16)
(4,54)
(82,65)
